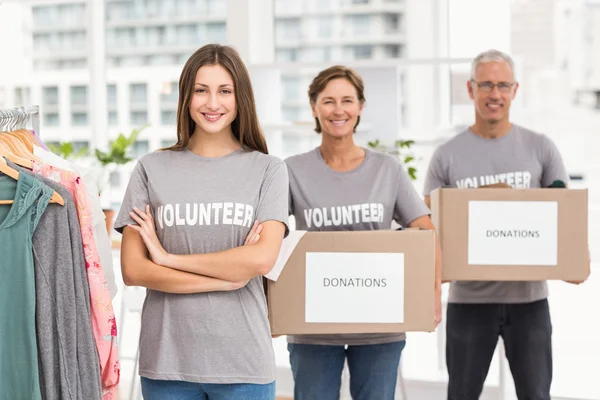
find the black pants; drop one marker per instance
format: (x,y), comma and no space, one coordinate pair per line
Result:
(472,336)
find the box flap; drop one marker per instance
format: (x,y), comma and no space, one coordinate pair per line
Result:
(285,252)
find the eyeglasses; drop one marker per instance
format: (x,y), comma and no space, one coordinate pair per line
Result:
(487,86)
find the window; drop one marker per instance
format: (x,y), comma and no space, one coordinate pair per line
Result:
(290,114)
(161,60)
(78,63)
(182,58)
(217,33)
(42,42)
(187,34)
(153,36)
(324,27)
(286,55)
(71,41)
(317,54)
(169,93)
(192,7)
(168,117)
(132,61)
(363,52)
(124,38)
(167,143)
(50,95)
(288,6)
(170,35)
(139,117)
(392,50)
(138,93)
(359,25)
(79,95)
(391,23)
(22,96)
(51,119)
(288,29)
(46,65)
(217,7)
(111,95)
(44,15)
(71,14)
(290,86)
(79,118)
(152,8)
(140,148)
(113,119)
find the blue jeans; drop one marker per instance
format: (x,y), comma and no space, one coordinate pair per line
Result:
(472,336)
(317,370)
(180,390)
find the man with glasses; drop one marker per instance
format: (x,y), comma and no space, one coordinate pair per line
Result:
(495,150)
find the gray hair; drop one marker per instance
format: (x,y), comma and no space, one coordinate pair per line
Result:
(491,56)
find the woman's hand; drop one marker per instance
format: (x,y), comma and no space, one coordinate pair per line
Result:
(254,234)
(147,231)
(253,237)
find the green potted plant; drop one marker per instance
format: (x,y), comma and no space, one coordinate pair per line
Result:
(402,150)
(118,153)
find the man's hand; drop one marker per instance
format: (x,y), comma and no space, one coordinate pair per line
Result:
(588,271)
(438,306)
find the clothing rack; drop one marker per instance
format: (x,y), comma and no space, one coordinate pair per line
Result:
(18,117)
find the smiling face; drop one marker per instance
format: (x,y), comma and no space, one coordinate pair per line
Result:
(213,106)
(492,90)
(337,108)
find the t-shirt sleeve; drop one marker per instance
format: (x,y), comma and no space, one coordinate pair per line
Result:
(409,205)
(136,195)
(436,174)
(274,194)
(553,167)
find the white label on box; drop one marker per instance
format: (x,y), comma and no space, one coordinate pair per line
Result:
(355,287)
(513,233)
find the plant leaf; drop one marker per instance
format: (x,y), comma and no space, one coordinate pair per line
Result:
(412,172)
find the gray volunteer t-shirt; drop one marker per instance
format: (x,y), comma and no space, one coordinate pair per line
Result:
(521,158)
(364,199)
(205,205)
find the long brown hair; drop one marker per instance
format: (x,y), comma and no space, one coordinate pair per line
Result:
(245,126)
(327,75)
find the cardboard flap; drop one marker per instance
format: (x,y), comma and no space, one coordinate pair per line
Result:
(287,248)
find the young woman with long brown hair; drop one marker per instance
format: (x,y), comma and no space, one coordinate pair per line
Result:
(191,236)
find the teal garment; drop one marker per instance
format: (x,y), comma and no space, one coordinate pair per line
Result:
(19,376)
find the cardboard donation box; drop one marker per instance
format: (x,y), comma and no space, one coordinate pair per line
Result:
(496,234)
(353,282)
